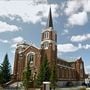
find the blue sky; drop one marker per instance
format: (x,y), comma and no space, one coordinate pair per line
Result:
(24,20)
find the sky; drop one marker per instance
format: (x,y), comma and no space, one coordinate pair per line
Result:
(24,20)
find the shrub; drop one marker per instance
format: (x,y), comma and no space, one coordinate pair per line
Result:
(69,84)
(84,84)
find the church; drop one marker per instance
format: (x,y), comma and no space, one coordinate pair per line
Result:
(66,70)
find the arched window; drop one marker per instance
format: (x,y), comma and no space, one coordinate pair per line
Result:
(81,66)
(46,35)
(31,57)
(46,45)
(81,70)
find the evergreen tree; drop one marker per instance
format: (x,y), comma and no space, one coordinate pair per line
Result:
(6,70)
(26,77)
(44,72)
(0,75)
(53,77)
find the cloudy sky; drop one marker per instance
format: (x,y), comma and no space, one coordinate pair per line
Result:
(24,20)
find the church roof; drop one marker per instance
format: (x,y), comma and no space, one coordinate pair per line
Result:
(67,60)
(50,21)
(31,45)
(49,25)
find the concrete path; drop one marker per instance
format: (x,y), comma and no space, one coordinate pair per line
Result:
(88,89)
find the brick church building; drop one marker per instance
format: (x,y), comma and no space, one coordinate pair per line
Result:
(66,71)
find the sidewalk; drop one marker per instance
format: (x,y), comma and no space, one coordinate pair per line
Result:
(87,88)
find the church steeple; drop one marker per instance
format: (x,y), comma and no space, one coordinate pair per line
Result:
(50,21)
(49,40)
(49,36)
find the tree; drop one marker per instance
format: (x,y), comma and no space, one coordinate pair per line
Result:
(0,75)
(44,72)
(53,77)
(5,70)
(26,77)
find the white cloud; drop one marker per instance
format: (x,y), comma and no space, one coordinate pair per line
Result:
(5,27)
(64,48)
(86,5)
(72,7)
(87,69)
(39,1)
(13,45)
(80,46)
(28,11)
(16,40)
(78,19)
(84,47)
(43,23)
(87,46)
(80,38)
(65,32)
(4,41)
(67,48)
(13,51)
(76,10)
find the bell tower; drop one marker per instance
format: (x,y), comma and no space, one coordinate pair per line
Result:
(49,39)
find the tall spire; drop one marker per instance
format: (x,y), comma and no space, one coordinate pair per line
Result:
(50,21)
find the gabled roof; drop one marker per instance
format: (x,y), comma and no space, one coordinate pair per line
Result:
(32,46)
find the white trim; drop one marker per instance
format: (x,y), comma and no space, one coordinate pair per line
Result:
(46,35)
(30,53)
(46,48)
(46,82)
(31,46)
(46,44)
(50,41)
(18,46)
(27,57)
(49,29)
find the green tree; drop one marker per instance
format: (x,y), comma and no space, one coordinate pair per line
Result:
(44,72)
(26,77)
(5,70)
(53,77)
(0,75)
